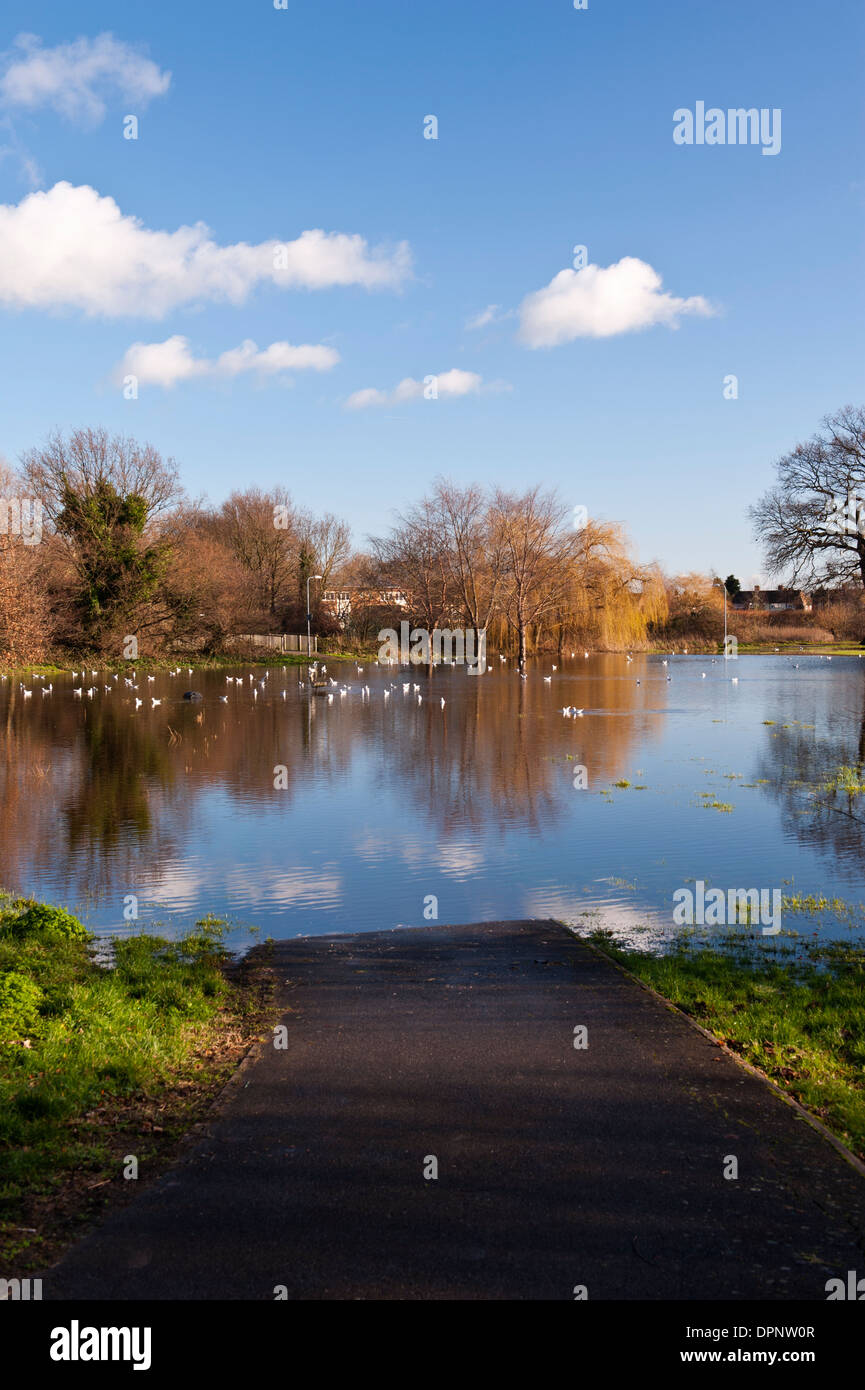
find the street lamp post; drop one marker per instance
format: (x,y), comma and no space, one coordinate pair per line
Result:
(309,615)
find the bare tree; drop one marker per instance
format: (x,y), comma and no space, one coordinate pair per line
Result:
(474,558)
(537,554)
(91,459)
(812,523)
(261,530)
(414,557)
(26,622)
(327,541)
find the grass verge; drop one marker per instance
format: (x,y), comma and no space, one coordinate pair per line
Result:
(104,1063)
(791,1006)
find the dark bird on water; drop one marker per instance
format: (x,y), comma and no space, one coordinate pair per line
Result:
(192,695)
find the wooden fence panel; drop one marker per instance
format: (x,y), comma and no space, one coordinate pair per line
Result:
(278,641)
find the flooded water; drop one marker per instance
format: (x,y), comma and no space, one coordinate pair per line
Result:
(298,814)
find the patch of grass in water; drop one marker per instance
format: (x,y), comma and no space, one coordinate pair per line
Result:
(847,780)
(813,905)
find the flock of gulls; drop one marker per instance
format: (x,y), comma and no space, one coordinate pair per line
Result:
(316,674)
(81,691)
(317,679)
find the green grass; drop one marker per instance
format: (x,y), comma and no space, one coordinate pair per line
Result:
(848,780)
(76,1036)
(843,647)
(794,1007)
(819,906)
(263,658)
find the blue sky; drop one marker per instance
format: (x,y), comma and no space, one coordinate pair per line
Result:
(554,129)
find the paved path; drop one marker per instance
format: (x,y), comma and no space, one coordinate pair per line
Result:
(557,1167)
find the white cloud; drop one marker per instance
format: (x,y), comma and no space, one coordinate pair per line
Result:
(279,357)
(486,316)
(27,167)
(73,78)
(359,400)
(166,364)
(448,384)
(600,302)
(71,248)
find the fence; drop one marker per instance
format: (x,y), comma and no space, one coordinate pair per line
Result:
(278,641)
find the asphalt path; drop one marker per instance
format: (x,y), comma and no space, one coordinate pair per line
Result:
(430,1131)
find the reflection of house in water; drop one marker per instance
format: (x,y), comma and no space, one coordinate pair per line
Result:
(341,602)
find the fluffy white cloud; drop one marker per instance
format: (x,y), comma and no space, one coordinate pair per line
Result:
(166,364)
(447,384)
(599,302)
(73,77)
(71,248)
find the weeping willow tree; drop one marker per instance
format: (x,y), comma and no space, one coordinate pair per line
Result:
(611,602)
(543,584)
(633,611)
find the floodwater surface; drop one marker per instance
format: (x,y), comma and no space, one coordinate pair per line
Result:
(297,813)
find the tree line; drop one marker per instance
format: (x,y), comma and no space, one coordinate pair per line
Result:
(123,552)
